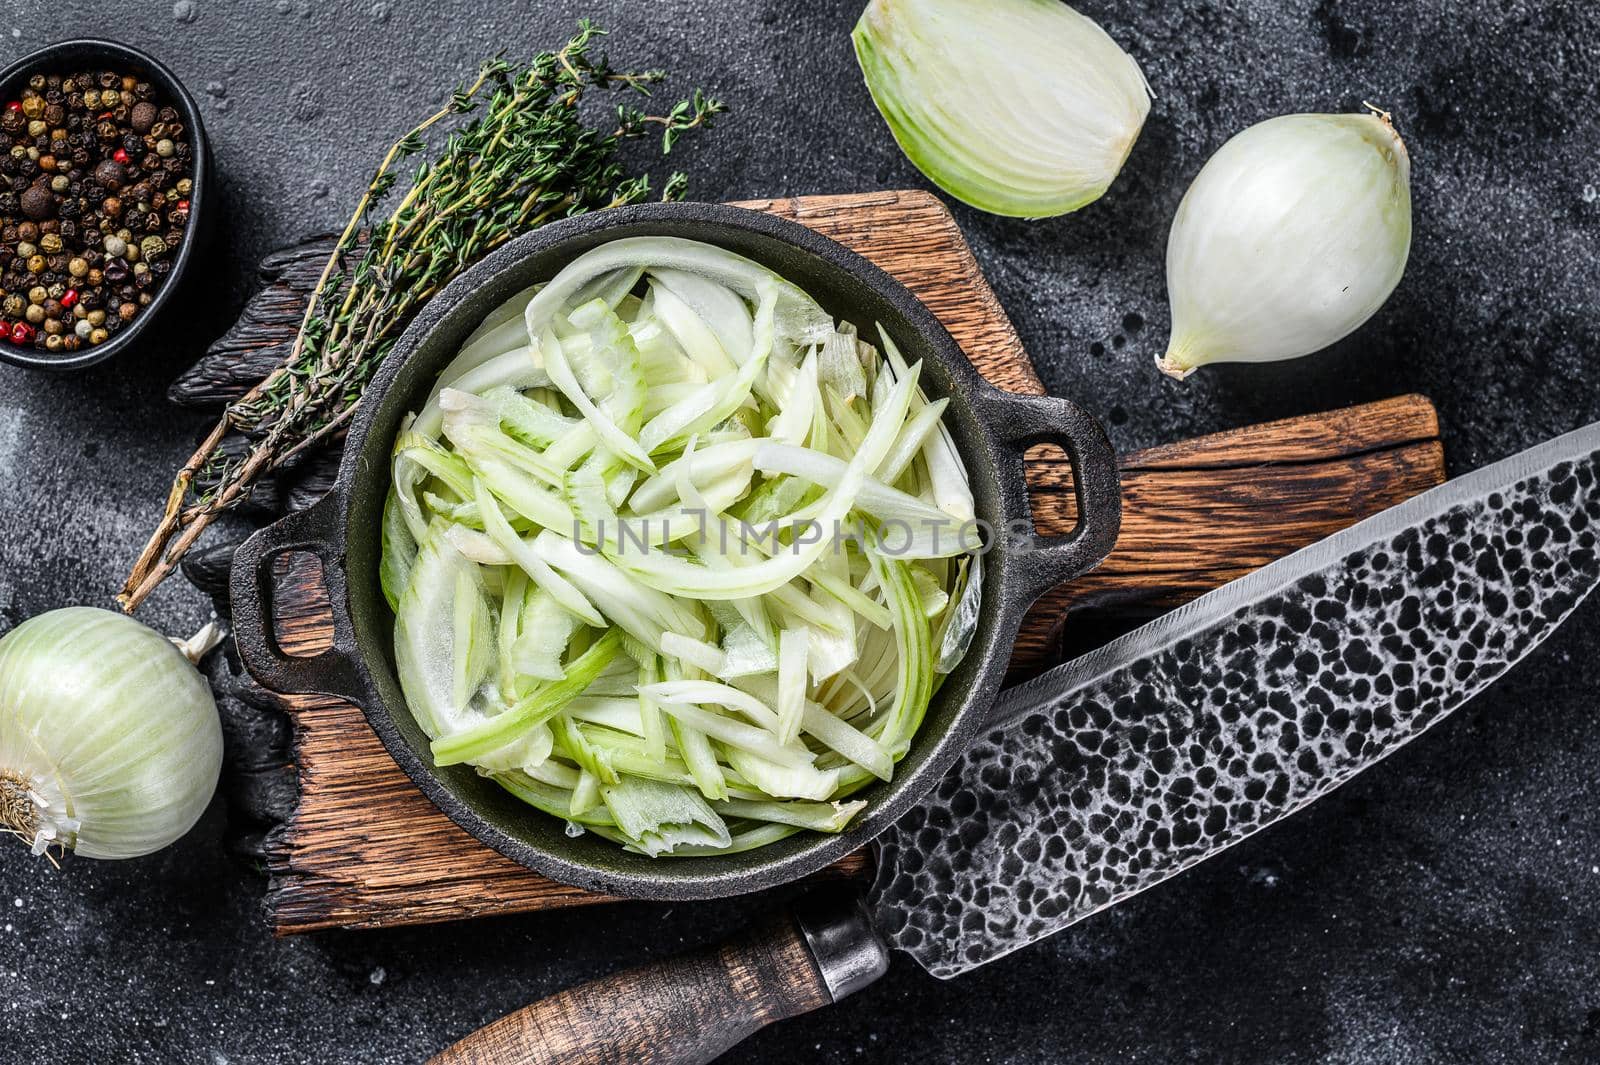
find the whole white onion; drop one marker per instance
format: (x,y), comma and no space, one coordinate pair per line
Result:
(109,738)
(1294,233)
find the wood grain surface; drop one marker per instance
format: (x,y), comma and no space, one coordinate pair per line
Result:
(366,849)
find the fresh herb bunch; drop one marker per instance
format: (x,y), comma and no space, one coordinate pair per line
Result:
(527,158)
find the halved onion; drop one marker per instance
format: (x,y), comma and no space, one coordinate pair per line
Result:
(1018,107)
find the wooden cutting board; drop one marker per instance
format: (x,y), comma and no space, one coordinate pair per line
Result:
(364,848)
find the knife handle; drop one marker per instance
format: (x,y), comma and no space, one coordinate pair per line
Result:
(690,1009)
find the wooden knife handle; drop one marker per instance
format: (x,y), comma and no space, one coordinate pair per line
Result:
(689,1009)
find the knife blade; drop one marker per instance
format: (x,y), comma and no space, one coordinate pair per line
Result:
(1106,776)
(1110,774)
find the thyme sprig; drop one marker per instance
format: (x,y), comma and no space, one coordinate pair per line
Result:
(526,158)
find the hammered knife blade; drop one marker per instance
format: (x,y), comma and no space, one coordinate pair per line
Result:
(1108,775)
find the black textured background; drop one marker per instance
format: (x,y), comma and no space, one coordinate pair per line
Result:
(1445,908)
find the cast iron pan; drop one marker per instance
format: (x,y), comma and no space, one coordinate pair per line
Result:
(991,428)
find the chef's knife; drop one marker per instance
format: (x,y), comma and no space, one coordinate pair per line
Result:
(1110,774)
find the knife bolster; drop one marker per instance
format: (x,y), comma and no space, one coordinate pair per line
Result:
(849,952)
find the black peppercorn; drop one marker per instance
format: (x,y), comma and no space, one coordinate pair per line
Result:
(37,202)
(110,174)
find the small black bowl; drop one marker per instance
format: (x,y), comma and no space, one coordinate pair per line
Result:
(63,57)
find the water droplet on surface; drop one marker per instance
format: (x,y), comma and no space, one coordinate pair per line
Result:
(224,106)
(1589,194)
(231,67)
(381,11)
(216,88)
(307,102)
(185,11)
(284,7)
(398,80)
(319,189)
(379,975)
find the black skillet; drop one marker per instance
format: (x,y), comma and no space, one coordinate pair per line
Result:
(991,429)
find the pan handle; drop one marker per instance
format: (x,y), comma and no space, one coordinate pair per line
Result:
(314,530)
(1043,562)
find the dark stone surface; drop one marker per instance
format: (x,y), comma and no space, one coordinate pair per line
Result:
(1443,908)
